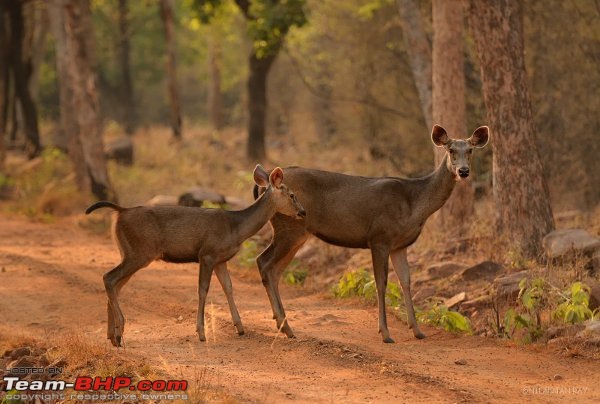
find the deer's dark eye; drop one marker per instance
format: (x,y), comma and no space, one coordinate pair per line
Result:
(292,196)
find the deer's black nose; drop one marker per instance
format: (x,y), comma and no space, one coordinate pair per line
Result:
(463,172)
(302,213)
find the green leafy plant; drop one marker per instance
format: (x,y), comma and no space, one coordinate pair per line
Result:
(248,253)
(361,283)
(441,316)
(355,283)
(294,275)
(12,393)
(574,307)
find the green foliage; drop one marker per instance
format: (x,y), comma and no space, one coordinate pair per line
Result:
(574,307)
(206,9)
(12,400)
(248,253)
(514,321)
(270,21)
(532,294)
(360,283)
(441,316)
(294,275)
(354,284)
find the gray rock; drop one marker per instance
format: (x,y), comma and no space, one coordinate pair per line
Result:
(564,331)
(562,242)
(592,342)
(455,300)
(423,293)
(477,302)
(23,362)
(195,196)
(594,297)
(443,270)
(592,330)
(483,270)
(163,200)
(120,150)
(18,352)
(507,287)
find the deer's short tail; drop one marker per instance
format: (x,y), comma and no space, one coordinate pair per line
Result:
(103,204)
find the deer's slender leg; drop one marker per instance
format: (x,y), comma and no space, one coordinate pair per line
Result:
(206,270)
(114,280)
(380,255)
(400,263)
(288,238)
(225,281)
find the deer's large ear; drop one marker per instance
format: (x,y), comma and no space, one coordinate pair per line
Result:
(480,137)
(276,177)
(439,137)
(261,178)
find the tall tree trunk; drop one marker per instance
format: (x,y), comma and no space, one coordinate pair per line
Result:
(85,130)
(129,110)
(523,211)
(215,98)
(166,12)
(419,53)
(257,105)
(37,25)
(21,72)
(448,100)
(66,125)
(4,85)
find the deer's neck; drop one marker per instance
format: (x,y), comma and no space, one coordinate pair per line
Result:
(437,190)
(250,220)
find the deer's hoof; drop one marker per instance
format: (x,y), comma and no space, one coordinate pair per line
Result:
(241,332)
(419,335)
(115,340)
(388,340)
(201,337)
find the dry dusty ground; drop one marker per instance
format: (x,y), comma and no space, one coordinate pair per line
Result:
(51,284)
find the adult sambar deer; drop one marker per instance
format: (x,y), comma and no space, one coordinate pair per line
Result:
(384,214)
(183,234)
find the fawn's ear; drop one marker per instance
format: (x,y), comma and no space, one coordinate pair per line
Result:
(276,177)
(439,137)
(480,137)
(261,178)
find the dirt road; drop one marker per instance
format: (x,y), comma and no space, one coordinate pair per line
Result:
(51,283)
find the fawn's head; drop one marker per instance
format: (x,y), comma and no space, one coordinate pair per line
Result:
(459,150)
(285,200)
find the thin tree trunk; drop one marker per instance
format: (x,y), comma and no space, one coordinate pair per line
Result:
(215,98)
(3,83)
(419,53)
(37,26)
(21,72)
(523,211)
(166,12)
(257,105)
(85,144)
(448,100)
(129,110)
(67,125)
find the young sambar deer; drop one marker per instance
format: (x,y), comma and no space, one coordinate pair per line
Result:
(384,214)
(184,234)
